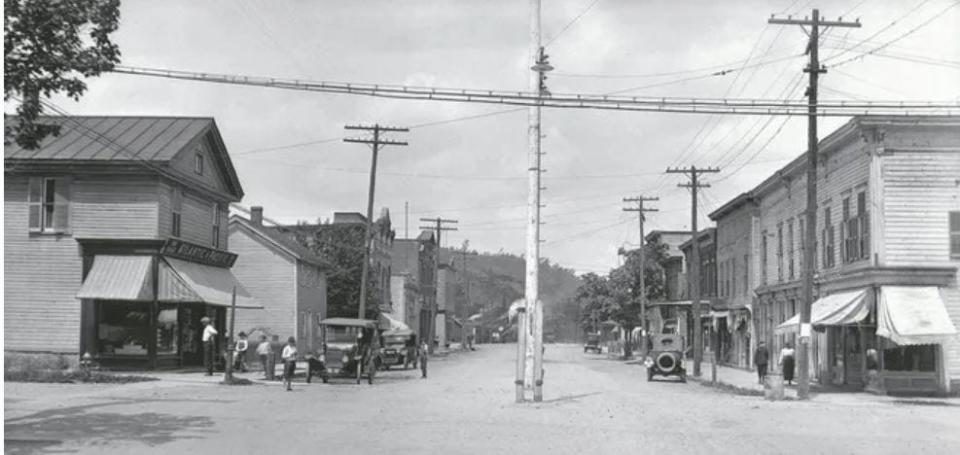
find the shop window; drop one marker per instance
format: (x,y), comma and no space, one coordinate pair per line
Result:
(167,331)
(910,358)
(955,235)
(49,202)
(123,328)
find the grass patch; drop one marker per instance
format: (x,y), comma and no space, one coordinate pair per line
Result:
(729,388)
(55,368)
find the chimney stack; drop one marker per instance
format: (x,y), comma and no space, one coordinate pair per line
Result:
(256,215)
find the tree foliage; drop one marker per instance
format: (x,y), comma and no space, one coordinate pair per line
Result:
(50,46)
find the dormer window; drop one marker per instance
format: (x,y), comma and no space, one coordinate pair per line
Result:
(198,163)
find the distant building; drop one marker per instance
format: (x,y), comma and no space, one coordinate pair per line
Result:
(669,315)
(415,261)
(115,240)
(707,243)
(288,279)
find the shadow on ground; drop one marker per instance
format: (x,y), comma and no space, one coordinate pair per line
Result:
(45,431)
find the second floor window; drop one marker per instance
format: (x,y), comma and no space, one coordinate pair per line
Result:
(780,252)
(827,239)
(216,225)
(790,249)
(176,205)
(954,235)
(763,258)
(855,231)
(48,199)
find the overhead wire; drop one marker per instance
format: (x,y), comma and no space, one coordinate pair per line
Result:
(572,22)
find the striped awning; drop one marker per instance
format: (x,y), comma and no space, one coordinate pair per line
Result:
(835,309)
(118,278)
(183,281)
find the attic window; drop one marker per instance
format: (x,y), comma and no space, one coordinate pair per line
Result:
(198,164)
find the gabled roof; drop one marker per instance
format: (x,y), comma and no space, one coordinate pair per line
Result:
(124,140)
(281,241)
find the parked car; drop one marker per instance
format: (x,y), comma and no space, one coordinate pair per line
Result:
(665,357)
(399,348)
(351,348)
(593,344)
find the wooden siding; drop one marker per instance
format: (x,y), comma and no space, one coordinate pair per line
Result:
(734,242)
(311,299)
(185,162)
(270,277)
(43,272)
(196,221)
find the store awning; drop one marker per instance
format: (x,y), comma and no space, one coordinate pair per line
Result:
(835,309)
(910,315)
(182,281)
(388,322)
(118,278)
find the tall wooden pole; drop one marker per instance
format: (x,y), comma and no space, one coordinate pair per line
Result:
(640,209)
(809,253)
(231,344)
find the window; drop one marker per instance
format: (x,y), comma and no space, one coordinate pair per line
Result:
(790,247)
(955,235)
(198,163)
(733,277)
(216,225)
(763,258)
(855,230)
(176,205)
(863,214)
(827,234)
(48,199)
(910,358)
(746,274)
(780,252)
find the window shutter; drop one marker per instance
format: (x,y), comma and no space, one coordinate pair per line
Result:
(34,202)
(864,237)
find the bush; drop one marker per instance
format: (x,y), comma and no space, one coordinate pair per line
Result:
(56,368)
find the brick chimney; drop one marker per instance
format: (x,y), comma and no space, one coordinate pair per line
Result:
(256,215)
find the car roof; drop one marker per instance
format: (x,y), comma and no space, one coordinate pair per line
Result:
(352,322)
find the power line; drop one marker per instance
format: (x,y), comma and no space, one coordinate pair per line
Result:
(573,21)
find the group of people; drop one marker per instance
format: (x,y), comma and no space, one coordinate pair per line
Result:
(266,352)
(787,361)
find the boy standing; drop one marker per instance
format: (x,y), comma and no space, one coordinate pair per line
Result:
(240,354)
(209,343)
(266,358)
(289,356)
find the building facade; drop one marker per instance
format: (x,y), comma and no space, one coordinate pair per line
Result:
(669,315)
(888,249)
(115,240)
(706,241)
(416,261)
(287,279)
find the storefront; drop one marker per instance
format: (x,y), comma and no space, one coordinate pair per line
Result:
(142,300)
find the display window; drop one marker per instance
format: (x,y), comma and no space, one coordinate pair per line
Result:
(123,328)
(910,358)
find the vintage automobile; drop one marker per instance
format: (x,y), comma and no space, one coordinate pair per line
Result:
(665,357)
(593,343)
(399,348)
(350,348)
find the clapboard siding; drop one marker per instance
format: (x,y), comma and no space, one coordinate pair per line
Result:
(103,207)
(196,220)
(920,188)
(41,277)
(270,276)
(951,298)
(185,162)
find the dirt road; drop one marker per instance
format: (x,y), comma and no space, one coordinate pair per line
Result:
(592,405)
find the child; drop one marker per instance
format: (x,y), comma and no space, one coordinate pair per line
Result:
(240,353)
(289,357)
(266,358)
(423,359)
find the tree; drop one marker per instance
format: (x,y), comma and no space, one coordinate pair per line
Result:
(49,47)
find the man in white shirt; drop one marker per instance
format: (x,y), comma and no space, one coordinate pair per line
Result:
(209,343)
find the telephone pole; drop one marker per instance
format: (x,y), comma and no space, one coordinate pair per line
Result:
(375,143)
(694,282)
(432,306)
(640,209)
(465,313)
(809,255)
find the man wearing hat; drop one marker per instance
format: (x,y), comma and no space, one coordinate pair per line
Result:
(209,343)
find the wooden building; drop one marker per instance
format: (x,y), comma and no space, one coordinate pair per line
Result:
(415,260)
(888,250)
(115,239)
(286,278)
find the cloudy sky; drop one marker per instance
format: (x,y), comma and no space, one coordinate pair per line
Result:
(285,144)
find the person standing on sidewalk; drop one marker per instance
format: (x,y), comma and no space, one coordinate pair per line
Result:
(761,357)
(240,353)
(787,362)
(289,356)
(209,339)
(265,353)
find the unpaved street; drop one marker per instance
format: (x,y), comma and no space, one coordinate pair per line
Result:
(592,405)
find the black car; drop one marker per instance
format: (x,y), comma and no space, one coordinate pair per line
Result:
(593,344)
(665,357)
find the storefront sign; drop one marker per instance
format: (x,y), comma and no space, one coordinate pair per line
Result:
(197,253)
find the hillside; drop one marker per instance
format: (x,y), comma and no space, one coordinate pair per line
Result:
(495,280)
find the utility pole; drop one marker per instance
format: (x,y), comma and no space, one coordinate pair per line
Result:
(406,220)
(809,255)
(694,282)
(432,306)
(640,209)
(375,143)
(465,313)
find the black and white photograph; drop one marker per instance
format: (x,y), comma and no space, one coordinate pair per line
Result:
(481,226)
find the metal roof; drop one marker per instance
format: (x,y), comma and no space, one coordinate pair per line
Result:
(118,278)
(143,138)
